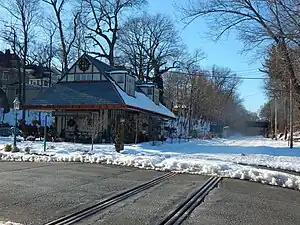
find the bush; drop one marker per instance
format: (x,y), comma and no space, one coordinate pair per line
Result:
(7,148)
(35,122)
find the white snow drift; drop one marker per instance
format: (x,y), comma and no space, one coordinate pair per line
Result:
(9,223)
(219,157)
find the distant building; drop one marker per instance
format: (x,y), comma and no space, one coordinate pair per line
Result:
(11,77)
(42,76)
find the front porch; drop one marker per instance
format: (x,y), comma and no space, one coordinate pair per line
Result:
(103,125)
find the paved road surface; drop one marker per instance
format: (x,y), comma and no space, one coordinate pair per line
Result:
(239,202)
(35,193)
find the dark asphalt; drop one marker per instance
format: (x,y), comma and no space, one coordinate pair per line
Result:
(151,206)
(238,202)
(36,193)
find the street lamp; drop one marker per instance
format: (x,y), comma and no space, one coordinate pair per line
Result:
(45,131)
(122,120)
(16,103)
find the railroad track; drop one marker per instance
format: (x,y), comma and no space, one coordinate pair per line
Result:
(80,215)
(179,214)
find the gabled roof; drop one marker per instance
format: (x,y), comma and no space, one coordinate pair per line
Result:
(95,94)
(40,71)
(68,94)
(101,66)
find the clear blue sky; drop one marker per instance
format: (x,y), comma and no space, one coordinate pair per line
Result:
(224,53)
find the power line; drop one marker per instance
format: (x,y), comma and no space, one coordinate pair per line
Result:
(207,76)
(261,92)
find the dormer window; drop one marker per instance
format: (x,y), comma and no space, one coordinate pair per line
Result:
(149,90)
(120,79)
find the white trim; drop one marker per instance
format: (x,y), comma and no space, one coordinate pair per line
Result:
(117,71)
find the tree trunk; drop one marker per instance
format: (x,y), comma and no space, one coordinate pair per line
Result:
(111,57)
(285,118)
(24,71)
(62,40)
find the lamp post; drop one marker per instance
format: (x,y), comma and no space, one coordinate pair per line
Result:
(122,120)
(16,103)
(45,132)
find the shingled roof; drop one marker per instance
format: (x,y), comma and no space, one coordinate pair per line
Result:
(67,94)
(105,94)
(101,66)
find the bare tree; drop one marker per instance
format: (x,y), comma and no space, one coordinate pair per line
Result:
(93,123)
(24,13)
(67,38)
(102,21)
(151,44)
(259,23)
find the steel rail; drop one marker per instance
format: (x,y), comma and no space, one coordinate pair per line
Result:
(179,214)
(91,210)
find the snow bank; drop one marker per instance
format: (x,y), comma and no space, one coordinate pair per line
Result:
(207,157)
(9,223)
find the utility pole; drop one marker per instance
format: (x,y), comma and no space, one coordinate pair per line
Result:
(275,125)
(272,121)
(50,59)
(291,114)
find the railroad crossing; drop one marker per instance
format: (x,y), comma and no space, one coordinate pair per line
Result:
(65,193)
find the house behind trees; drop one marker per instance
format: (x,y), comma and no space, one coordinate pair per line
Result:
(11,77)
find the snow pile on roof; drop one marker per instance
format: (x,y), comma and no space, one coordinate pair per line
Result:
(143,102)
(208,157)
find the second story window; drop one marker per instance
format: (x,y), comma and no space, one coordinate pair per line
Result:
(120,79)
(4,76)
(149,91)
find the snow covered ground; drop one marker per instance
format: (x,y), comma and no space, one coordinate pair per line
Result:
(9,223)
(222,157)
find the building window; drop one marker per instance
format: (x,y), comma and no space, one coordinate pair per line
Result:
(149,91)
(89,77)
(77,77)
(34,82)
(46,83)
(96,76)
(83,77)
(4,76)
(120,79)
(70,77)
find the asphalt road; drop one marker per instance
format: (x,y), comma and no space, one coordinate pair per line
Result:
(238,202)
(36,193)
